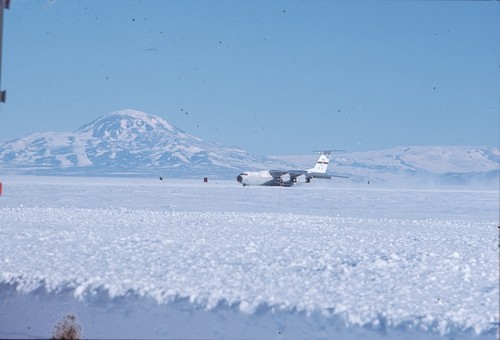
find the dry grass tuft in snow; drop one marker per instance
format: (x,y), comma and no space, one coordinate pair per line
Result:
(67,329)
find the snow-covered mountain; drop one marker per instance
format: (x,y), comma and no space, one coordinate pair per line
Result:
(131,142)
(126,142)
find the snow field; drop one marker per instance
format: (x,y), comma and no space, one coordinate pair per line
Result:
(205,261)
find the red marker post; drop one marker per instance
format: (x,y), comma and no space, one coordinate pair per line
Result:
(0,188)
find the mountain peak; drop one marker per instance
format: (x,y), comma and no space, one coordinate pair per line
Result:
(127,121)
(138,115)
(126,142)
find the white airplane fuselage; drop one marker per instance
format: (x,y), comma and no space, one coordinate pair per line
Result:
(266,178)
(287,178)
(256,178)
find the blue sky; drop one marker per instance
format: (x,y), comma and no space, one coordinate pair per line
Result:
(271,77)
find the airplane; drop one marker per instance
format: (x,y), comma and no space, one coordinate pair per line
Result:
(287,178)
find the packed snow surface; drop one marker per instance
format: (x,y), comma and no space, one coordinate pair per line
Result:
(144,258)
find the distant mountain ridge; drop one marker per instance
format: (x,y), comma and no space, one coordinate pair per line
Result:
(126,142)
(435,159)
(428,165)
(134,143)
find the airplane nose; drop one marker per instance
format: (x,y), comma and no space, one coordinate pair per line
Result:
(239,178)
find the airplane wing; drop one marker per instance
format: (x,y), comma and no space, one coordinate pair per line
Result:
(277,173)
(296,173)
(292,173)
(319,175)
(288,177)
(325,176)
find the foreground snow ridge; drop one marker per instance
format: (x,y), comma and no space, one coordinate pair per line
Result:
(163,274)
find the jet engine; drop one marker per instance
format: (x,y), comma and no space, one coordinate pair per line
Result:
(301,179)
(285,178)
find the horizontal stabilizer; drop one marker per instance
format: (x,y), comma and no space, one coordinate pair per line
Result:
(328,152)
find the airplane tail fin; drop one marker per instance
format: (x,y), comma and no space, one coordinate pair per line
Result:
(322,163)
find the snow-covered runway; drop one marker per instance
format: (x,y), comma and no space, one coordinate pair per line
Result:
(144,258)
